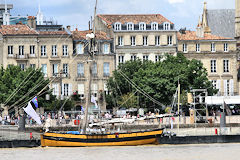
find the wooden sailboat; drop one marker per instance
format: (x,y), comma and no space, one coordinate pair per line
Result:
(87,139)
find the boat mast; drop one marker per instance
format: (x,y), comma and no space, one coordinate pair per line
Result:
(90,61)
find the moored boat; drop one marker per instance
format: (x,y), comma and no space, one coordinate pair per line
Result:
(85,140)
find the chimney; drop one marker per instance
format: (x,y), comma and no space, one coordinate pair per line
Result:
(183,30)
(69,27)
(31,22)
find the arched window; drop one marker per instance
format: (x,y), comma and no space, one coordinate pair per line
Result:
(154,26)
(130,26)
(142,26)
(117,26)
(166,26)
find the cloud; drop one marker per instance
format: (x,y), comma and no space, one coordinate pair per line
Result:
(176,1)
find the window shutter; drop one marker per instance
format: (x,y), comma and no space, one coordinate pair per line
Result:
(57,90)
(80,88)
(70,90)
(225,87)
(218,86)
(231,87)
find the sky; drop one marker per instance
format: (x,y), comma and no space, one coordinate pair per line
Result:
(77,13)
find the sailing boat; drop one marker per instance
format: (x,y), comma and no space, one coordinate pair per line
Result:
(66,139)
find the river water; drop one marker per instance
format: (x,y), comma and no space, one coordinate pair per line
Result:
(148,152)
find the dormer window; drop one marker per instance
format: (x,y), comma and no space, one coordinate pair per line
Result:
(142,26)
(166,26)
(154,26)
(117,26)
(130,26)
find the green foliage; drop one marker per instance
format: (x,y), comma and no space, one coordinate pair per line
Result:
(31,81)
(128,100)
(159,79)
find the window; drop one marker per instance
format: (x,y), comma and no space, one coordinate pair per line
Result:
(133,57)
(117,26)
(80,49)
(55,69)
(106,91)
(133,41)
(169,40)
(166,26)
(65,50)
(154,26)
(197,47)
(94,69)
(157,58)
(44,70)
(145,57)
(32,50)
(32,65)
(214,83)
(121,59)
(213,49)
(80,69)
(130,26)
(225,65)
(81,90)
(94,90)
(10,50)
(106,49)
(142,26)
(213,66)
(65,69)
(106,71)
(185,49)
(21,50)
(225,46)
(22,66)
(54,50)
(157,40)
(145,40)
(43,51)
(65,89)
(120,41)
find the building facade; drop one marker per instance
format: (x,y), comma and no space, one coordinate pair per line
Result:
(218,55)
(147,37)
(237,21)
(62,56)
(102,68)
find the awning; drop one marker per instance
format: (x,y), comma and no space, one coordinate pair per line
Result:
(219,100)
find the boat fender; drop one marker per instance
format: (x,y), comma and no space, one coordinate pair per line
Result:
(116,135)
(76,122)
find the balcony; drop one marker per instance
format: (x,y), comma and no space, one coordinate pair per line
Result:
(106,74)
(80,77)
(22,57)
(55,58)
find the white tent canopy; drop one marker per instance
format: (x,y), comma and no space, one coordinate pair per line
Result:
(219,100)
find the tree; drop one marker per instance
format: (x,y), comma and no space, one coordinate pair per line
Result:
(159,80)
(18,87)
(128,100)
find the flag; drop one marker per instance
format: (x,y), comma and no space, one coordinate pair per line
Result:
(31,112)
(35,101)
(94,101)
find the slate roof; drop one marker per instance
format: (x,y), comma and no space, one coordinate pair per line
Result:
(81,35)
(134,18)
(191,35)
(222,22)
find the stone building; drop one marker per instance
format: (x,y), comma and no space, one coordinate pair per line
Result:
(62,56)
(147,36)
(237,21)
(102,68)
(218,55)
